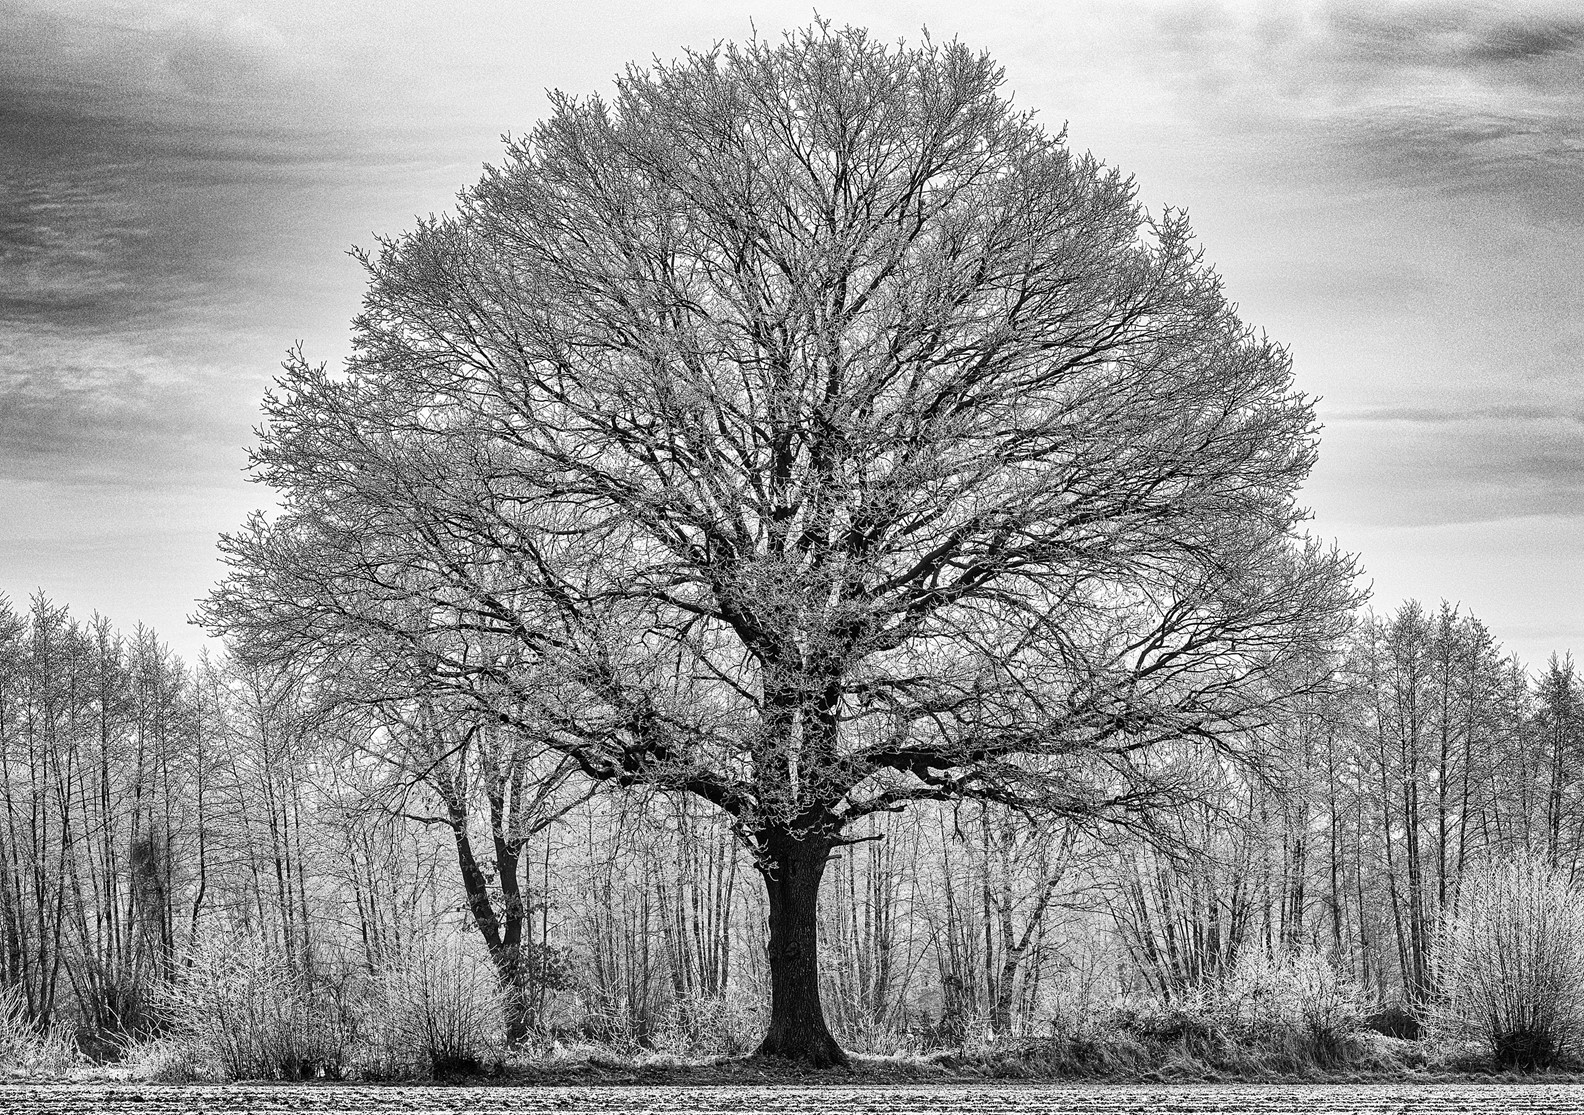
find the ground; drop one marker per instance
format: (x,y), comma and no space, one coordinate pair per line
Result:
(954,1099)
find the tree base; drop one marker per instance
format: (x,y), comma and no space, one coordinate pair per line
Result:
(814,1050)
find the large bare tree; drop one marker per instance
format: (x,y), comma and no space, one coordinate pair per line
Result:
(809,430)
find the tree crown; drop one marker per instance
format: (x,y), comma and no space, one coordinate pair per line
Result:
(809,429)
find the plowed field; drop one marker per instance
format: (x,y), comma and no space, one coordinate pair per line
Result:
(871,1100)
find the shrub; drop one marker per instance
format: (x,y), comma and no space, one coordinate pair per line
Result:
(244,1014)
(1299,1000)
(1510,963)
(1395,1020)
(1289,1012)
(729,1025)
(1194,1021)
(436,1012)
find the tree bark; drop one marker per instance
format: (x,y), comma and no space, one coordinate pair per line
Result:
(515,983)
(791,869)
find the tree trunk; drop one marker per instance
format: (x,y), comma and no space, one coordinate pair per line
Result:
(791,869)
(511,969)
(502,941)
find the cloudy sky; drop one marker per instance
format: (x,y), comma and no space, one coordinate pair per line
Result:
(1395,190)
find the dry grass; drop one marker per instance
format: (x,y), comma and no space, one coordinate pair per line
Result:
(25,1051)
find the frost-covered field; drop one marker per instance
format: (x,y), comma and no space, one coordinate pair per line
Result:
(1101,1100)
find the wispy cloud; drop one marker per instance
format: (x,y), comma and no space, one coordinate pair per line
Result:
(1456,96)
(66,244)
(80,408)
(1424,464)
(1402,188)
(167,177)
(1437,417)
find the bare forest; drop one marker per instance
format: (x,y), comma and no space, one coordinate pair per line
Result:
(155,810)
(800,563)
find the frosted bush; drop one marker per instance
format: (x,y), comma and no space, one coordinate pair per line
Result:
(1079,1000)
(1194,1017)
(1296,1006)
(435,1011)
(246,1015)
(1510,963)
(1299,994)
(729,1025)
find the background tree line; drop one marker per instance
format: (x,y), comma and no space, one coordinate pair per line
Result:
(151,804)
